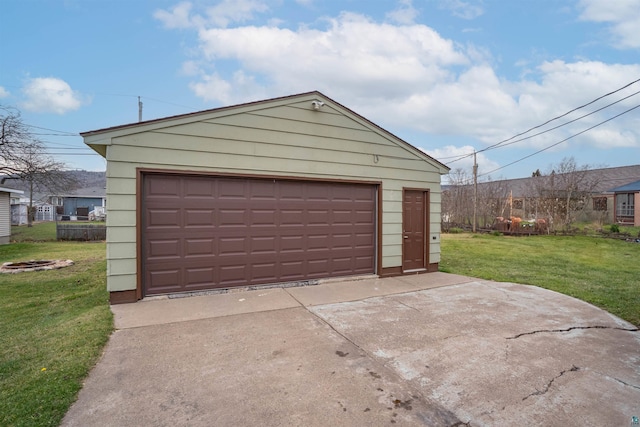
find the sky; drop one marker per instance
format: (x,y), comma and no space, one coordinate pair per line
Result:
(451,77)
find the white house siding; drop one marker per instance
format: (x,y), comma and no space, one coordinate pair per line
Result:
(285,138)
(5,218)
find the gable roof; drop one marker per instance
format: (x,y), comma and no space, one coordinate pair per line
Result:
(98,139)
(629,188)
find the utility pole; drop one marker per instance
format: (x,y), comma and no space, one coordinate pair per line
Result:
(475,190)
(139,110)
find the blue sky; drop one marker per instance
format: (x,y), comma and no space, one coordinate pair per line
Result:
(448,76)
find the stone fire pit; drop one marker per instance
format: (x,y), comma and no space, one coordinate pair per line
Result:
(34,265)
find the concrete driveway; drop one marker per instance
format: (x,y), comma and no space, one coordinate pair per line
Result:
(433,349)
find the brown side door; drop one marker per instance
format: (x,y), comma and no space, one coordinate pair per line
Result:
(414,230)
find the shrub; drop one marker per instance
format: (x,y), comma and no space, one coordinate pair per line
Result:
(615,228)
(496,233)
(455,230)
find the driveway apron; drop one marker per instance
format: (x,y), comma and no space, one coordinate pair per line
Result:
(401,351)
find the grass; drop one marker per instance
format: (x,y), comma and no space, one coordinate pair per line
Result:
(603,272)
(54,326)
(40,232)
(590,228)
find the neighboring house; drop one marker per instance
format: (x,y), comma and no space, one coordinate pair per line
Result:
(289,189)
(6,195)
(627,204)
(79,204)
(525,197)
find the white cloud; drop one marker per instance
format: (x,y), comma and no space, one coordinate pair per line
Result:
(463,9)
(409,77)
(221,15)
(462,158)
(50,95)
(177,17)
(350,55)
(229,11)
(3,92)
(241,88)
(405,14)
(623,16)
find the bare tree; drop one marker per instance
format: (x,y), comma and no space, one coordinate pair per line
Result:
(42,173)
(564,192)
(14,136)
(22,157)
(490,197)
(457,199)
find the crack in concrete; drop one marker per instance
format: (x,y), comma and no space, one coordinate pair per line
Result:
(617,380)
(571,329)
(407,305)
(627,384)
(574,368)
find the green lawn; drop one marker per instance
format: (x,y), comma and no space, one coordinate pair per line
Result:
(54,326)
(603,272)
(40,232)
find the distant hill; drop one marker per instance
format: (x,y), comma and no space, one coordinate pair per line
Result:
(90,179)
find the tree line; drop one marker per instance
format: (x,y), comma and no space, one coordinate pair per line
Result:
(558,197)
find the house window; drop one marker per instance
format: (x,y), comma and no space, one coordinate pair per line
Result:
(599,203)
(56,201)
(624,204)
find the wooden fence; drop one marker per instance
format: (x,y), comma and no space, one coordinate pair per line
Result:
(78,231)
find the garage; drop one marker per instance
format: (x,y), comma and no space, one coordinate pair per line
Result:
(288,190)
(203,232)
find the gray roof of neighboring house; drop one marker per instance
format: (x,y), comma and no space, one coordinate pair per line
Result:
(608,179)
(87,192)
(629,188)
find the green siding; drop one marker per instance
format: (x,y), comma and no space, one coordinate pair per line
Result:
(280,140)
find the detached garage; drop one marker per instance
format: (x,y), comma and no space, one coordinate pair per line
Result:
(292,189)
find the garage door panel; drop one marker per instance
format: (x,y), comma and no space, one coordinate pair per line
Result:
(230,246)
(233,275)
(267,273)
(163,249)
(199,188)
(167,218)
(262,218)
(231,189)
(263,190)
(364,240)
(165,187)
(232,218)
(206,232)
(199,218)
(199,247)
(264,245)
(165,280)
(291,218)
(199,277)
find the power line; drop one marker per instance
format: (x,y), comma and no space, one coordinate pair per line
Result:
(565,114)
(58,132)
(496,145)
(560,142)
(559,126)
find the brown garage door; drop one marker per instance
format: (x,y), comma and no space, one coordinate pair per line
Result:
(203,233)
